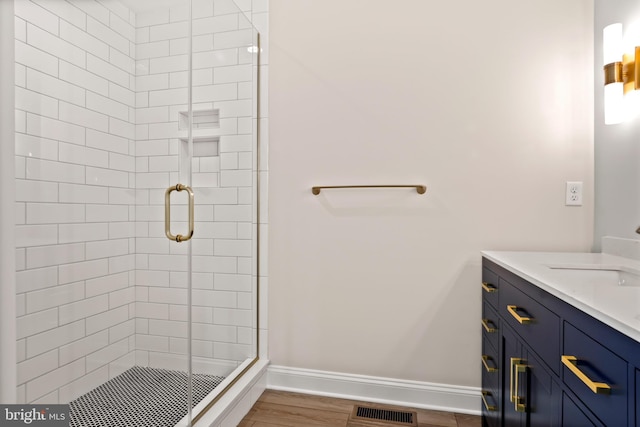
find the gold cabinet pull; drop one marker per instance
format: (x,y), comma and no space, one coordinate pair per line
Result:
(485,362)
(490,329)
(490,408)
(571,362)
(520,404)
(522,320)
(167,213)
(517,366)
(512,363)
(488,287)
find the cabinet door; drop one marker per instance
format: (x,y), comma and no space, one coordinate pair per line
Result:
(543,395)
(637,398)
(531,398)
(511,356)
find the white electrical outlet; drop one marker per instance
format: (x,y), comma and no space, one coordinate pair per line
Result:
(573,195)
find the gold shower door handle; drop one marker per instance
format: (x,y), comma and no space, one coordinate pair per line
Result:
(167,213)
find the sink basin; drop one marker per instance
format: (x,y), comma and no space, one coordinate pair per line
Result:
(598,274)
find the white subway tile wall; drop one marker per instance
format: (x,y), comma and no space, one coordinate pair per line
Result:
(99,91)
(75,73)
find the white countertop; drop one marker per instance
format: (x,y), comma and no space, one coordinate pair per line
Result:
(586,285)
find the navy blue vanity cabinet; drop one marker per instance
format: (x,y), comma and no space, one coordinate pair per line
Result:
(525,394)
(557,366)
(490,358)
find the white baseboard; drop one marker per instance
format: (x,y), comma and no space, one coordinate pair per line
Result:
(415,394)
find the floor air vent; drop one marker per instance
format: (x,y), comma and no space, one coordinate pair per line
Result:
(365,415)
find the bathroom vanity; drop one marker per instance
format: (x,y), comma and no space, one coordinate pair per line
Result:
(561,340)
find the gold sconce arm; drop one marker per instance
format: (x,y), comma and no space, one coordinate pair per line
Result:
(621,74)
(631,71)
(626,72)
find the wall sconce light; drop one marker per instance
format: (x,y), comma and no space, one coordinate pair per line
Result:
(621,75)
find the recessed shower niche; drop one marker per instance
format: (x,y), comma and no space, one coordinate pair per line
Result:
(202,119)
(205,158)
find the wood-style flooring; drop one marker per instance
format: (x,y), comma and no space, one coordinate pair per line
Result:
(277,409)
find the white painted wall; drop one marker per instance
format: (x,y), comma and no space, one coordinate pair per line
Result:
(489,104)
(617,151)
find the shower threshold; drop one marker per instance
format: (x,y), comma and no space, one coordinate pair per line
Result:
(141,397)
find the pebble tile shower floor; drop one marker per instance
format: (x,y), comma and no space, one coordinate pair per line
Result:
(141,397)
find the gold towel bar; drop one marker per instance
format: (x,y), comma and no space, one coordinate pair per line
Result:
(421,189)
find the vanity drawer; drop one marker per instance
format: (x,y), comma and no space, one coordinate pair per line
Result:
(490,409)
(490,325)
(491,384)
(538,326)
(490,287)
(597,376)
(490,367)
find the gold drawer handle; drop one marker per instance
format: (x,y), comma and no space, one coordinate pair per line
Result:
(522,320)
(490,329)
(485,362)
(571,362)
(490,408)
(488,287)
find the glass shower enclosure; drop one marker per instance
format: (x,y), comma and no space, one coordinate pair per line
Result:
(137,206)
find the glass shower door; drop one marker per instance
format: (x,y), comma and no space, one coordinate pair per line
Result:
(224,171)
(218,157)
(198,195)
